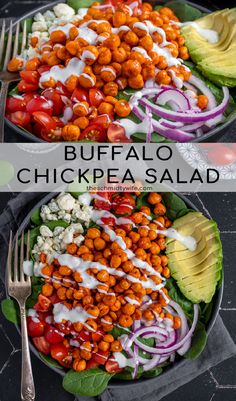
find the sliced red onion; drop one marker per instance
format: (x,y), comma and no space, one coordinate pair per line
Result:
(178,345)
(170,124)
(204,90)
(158,337)
(190,87)
(189,117)
(184,348)
(192,127)
(173,95)
(152,363)
(170,133)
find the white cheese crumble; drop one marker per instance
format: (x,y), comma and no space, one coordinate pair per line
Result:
(62,9)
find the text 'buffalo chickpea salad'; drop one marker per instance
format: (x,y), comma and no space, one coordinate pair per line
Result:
(117,71)
(122,285)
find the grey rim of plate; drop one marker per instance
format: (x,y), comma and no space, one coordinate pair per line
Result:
(217,130)
(193,155)
(120,383)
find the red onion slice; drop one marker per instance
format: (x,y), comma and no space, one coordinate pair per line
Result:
(188,117)
(174,95)
(204,90)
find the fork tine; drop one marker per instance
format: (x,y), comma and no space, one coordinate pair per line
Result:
(8,48)
(9,266)
(15,276)
(2,37)
(28,252)
(22,277)
(24,36)
(16,41)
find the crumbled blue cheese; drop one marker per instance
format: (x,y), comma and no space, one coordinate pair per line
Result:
(63,9)
(57,240)
(65,207)
(40,26)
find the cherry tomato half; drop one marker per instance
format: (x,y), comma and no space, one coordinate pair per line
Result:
(15,104)
(97,336)
(43,69)
(91,364)
(35,328)
(80,95)
(59,352)
(103,120)
(108,221)
(21,118)
(106,204)
(24,86)
(43,304)
(116,133)
(101,357)
(55,97)
(39,104)
(94,132)
(45,120)
(31,77)
(41,344)
(53,335)
(50,136)
(112,366)
(123,204)
(96,97)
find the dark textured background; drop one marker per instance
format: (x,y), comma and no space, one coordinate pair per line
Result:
(217,384)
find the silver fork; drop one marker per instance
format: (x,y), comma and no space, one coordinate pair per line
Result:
(19,287)
(5,76)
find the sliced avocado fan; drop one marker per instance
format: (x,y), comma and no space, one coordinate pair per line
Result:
(196,272)
(214,60)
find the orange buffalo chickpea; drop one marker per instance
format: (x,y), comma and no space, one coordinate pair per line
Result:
(90,54)
(71,83)
(79,365)
(154,198)
(58,36)
(70,133)
(108,73)
(112,42)
(119,55)
(87,80)
(131,38)
(202,102)
(72,47)
(119,18)
(81,109)
(33,64)
(93,233)
(125,320)
(47,290)
(111,89)
(160,209)
(81,122)
(162,78)
(105,108)
(122,108)
(136,82)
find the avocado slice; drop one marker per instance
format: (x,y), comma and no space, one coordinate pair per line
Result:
(196,272)
(214,60)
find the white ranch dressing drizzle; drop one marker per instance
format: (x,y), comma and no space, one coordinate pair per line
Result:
(75,315)
(67,115)
(109,69)
(74,67)
(132,301)
(64,28)
(88,55)
(142,51)
(34,315)
(87,34)
(177,81)
(122,28)
(123,361)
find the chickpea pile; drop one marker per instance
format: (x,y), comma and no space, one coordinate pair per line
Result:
(113,64)
(111,302)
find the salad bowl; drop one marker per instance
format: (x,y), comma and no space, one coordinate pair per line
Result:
(213,133)
(116,383)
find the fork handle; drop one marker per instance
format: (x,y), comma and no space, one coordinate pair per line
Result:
(3,97)
(27,380)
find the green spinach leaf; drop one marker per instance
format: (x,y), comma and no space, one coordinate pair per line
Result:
(90,382)
(10,310)
(36,218)
(50,361)
(77,4)
(184,11)
(178,297)
(175,206)
(119,331)
(14,91)
(141,200)
(199,340)
(153,372)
